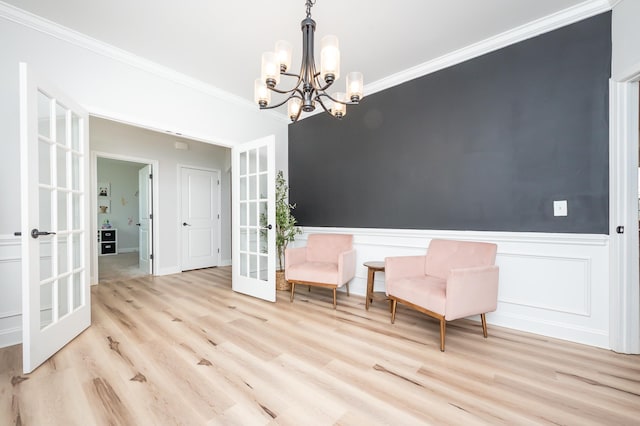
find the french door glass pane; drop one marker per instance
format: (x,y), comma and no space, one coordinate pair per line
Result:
(46,304)
(61,125)
(252,161)
(76,200)
(75,132)
(77,252)
(75,172)
(44,211)
(63,247)
(243,163)
(62,167)
(62,211)
(63,296)
(46,270)
(262,159)
(44,115)
(44,162)
(77,290)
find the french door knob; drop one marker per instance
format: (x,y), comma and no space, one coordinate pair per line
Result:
(267,227)
(35,233)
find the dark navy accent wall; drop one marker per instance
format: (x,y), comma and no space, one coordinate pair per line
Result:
(484,145)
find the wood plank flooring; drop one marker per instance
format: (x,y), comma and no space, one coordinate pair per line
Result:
(185,349)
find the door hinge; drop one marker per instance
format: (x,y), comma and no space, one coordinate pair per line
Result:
(218,181)
(218,216)
(150,215)
(151,256)
(218,250)
(150,175)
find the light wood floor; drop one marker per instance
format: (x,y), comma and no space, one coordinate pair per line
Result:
(119,266)
(185,349)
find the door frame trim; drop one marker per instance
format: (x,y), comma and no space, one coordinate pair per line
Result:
(181,166)
(155,195)
(624,299)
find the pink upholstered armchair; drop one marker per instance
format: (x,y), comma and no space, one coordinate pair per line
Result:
(456,279)
(328,260)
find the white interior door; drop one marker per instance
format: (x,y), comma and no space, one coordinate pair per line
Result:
(54,142)
(145,219)
(253,219)
(200,218)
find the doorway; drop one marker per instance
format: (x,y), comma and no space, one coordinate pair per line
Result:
(124,218)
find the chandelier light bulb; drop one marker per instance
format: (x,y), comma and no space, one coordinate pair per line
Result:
(293,108)
(283,52)
(261,93)
(329,58)
(355,85)
(270,69)
(339,109)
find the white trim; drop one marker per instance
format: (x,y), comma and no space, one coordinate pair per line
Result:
(94,202)
(417,237)
(168,271)
(553,284)
(225,262)
(531,29)
(623,191)
(38,23)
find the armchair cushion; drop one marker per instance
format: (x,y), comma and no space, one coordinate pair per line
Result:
(425,291)
(327,247)
(445,255)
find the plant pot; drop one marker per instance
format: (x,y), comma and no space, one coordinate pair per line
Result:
(281,283)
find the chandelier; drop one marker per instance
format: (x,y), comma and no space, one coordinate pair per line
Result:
(312,86)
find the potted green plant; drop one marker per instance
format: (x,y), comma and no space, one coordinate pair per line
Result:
(286,229)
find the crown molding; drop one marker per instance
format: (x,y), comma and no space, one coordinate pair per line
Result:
(548,23)
(76,38)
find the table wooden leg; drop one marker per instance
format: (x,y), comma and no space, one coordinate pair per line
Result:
(370,276)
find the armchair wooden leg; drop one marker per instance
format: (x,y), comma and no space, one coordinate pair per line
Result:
(347,289)
(443,330)
(293,290)
(483,317)
(394,303)
(334,297)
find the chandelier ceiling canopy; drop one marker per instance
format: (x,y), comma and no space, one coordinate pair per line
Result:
(312,85)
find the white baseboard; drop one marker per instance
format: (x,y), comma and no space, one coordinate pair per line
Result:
(555,285)
(10,337)
(128,250)
(168,271)
(225,262)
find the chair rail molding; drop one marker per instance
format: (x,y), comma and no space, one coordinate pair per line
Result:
(551,284)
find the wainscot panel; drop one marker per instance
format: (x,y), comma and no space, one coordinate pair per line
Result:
(555,285)
(10,291)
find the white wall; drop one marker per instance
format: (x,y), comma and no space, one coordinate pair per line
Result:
(122,177)
(110,84)
(107,136)
(625,35)
(550,284)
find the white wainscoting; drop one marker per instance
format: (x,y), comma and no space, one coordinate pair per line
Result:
(556,285)
(10,291)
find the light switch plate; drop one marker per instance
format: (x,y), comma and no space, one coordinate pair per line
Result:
(560,208)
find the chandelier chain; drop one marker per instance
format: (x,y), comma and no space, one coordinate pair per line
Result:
(310,3)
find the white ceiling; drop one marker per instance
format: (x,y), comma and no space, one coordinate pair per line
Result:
(221,42)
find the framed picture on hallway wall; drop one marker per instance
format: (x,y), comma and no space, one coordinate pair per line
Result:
(104,206)
(104,189)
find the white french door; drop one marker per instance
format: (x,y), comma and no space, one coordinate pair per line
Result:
(56,300)
(145,227)
(253,224)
